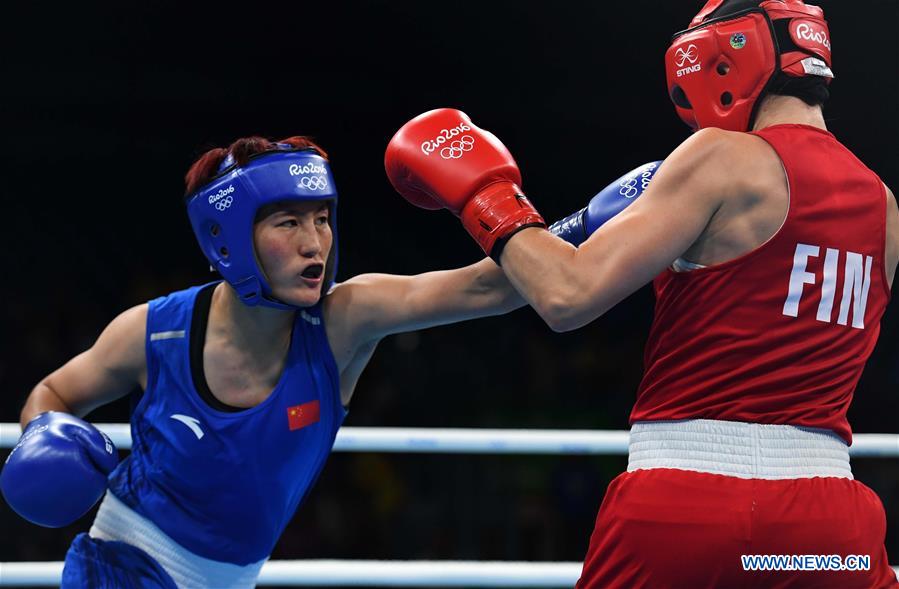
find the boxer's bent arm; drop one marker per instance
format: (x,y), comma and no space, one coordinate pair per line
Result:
(114,365)
(372,306)
(571,287)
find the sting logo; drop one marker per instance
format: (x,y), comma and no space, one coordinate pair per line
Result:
(682,57)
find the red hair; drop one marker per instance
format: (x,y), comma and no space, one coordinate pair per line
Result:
(207,165)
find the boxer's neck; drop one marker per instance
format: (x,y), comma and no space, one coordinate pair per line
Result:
(778,110)
(257,327)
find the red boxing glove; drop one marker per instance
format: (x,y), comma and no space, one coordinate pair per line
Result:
(440,159)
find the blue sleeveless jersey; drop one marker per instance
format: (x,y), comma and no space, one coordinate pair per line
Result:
(225,484)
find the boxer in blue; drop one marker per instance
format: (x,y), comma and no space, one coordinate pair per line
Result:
(245,381)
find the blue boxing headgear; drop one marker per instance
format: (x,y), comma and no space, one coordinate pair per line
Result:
(222,213)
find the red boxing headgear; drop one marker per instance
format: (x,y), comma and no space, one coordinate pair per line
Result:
(719,68)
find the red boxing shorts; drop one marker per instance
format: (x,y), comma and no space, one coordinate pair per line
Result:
(662,527)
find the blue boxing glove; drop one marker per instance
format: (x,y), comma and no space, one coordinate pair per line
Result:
(57,471)
(614,198)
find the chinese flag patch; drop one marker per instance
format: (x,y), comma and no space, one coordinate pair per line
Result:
(299,416)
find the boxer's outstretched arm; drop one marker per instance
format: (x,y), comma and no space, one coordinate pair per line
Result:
(387,304)
(371,306)
(570,287)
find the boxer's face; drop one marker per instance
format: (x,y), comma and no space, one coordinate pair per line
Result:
(293,240)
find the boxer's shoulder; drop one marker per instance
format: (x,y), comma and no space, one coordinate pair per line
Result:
(350,309)
(892,234)
(723,166)
(731,156)
(123,341)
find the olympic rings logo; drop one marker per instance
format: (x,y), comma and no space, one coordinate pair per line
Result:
(681,56)
(314,182)
(628,187)
(455,149)
(224,203)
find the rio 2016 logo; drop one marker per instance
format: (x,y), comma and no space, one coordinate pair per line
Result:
(805,32)
(297,170)
(222,199)
(432,145)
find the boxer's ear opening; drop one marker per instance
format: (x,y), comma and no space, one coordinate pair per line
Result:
(679,98)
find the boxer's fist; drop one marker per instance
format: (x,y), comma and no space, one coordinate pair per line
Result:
(57,471)
(611,200)
(440,159)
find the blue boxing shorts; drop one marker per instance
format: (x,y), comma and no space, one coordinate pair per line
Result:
(99,564)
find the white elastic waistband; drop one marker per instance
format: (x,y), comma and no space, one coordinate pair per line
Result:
(117,521)
(745,450)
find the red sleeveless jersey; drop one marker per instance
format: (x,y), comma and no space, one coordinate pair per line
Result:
(780,334)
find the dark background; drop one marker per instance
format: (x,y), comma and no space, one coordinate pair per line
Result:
(103,110)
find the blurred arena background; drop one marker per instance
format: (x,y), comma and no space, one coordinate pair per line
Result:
(105,107)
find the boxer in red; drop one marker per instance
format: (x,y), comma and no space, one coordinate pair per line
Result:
(772,251)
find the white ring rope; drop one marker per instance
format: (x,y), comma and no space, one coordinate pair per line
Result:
(368,573)
(481,441)
(419,573)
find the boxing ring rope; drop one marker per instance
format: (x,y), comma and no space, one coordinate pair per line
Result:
(367,573)
(362,573)
(481,441)
(431,573)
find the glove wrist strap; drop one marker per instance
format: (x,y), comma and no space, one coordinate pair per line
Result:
(496,213)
